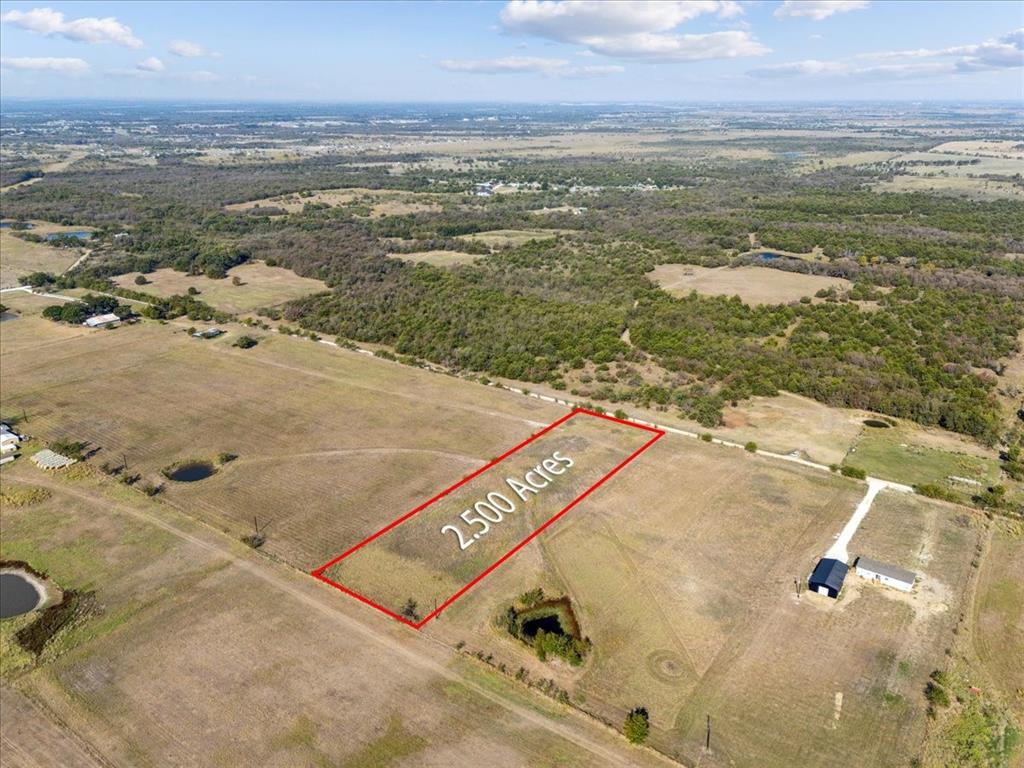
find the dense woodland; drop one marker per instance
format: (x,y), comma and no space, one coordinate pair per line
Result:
(945,276)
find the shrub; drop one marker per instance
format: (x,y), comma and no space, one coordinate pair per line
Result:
(936,695)
(935,491)
(141,280)
(409,610)
(751,447)
(637,726)
(706,437)
(850,471)
(245,342)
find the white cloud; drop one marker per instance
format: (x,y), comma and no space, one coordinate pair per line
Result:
(51,23)
(1005,53)
(190,50)
(632,29)
(46,64)
(152,64)
(519,65)
(817,10)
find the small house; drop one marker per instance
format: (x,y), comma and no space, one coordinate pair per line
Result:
(884,573)
(102,321)
(827,578)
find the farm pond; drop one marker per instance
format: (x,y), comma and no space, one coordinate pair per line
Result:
(18,594)
(191,472)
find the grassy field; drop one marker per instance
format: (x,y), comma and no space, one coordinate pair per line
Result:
(261,286)
(998,631)
(375,202)
(419,560)
(320,433)
(19,257)
(514,237)
(899,454)
(169,649)
(754,285)
(439,258)
(681,571)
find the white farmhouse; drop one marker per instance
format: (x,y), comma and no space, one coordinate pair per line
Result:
(8,439)
(883,573)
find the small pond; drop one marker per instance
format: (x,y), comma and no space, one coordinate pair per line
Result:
(876,423)
(191,472)
(18,594)
(769,256)
(80,234)
(549,623)
(10,225)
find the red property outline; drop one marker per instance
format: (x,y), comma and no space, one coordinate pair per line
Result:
(319,572)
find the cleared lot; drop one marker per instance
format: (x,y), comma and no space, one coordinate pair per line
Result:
(261,286)
(754,285)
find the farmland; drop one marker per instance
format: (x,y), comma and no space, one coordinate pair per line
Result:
(420,293)
(674,590)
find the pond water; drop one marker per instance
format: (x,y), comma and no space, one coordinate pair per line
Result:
(549,623)
(80,234)
(769,256)
(10,225)
(190,473)
(877,424)
(18,595)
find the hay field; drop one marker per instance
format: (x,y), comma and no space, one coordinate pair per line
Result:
(754,285)
(169,670)
(262,286)
(321,434)
(438,258)
(682,571)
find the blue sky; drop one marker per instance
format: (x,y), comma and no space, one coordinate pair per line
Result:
(514,51)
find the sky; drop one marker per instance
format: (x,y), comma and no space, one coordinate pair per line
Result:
(516,51)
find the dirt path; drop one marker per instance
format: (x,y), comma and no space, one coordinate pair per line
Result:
(415,649)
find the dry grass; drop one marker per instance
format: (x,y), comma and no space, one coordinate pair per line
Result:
(174,649)
(262,286)
(380,202)
(682,573)
(998,631)
(515,237)
(417,561)
(754,285)
(19,257)
(438,258)
(320,433)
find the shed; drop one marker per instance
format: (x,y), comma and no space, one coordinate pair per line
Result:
(884,573)
(102,321)
(827,578)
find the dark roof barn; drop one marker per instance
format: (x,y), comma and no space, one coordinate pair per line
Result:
(827,578)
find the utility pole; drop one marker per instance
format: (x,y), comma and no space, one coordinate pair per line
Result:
(707,741)
(124,462)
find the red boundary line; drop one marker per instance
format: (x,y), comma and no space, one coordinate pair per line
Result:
(319,572)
